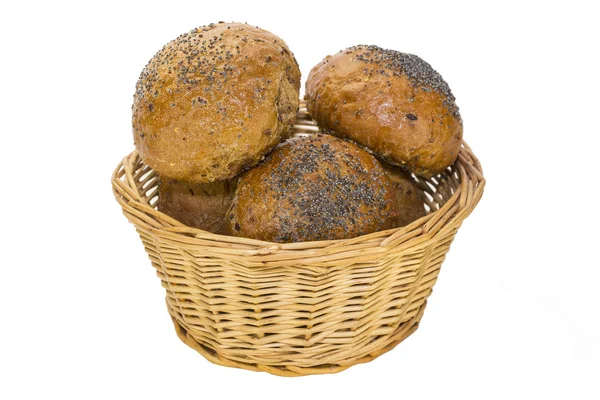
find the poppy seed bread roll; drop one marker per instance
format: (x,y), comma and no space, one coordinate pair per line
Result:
(214,101)
(314,187)
(200,205)
(393,103)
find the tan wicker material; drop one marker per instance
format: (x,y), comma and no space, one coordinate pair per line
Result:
(298,308)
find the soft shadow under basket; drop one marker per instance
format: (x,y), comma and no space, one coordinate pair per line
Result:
(298,308)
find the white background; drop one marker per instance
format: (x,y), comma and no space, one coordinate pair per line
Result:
(515,313)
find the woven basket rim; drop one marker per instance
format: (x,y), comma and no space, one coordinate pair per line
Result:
(466,165)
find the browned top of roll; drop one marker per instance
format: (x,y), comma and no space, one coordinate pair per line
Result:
(214,101)
(393,103)
(313,188)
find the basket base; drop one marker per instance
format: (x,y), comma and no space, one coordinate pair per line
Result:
(404,331)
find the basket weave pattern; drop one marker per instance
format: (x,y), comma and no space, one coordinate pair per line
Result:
(298,308)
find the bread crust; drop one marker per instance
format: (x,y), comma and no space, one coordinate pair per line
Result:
(393,103)
(409,198)
(311,188)
(201,205)
(214,101)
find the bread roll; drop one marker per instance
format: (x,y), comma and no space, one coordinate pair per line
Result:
(202,205)
(410,203)
(393,103)
(314,187)
(214,101)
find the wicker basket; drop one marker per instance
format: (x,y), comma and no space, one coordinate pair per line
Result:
(299,308)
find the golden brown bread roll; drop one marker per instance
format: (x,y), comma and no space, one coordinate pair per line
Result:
(393,103)
(314,187)
(410,203)
(214,101)
(201,205)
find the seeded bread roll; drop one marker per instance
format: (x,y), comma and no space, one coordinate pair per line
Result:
(310,188)
(410,203)
(393,103)
(202,205)
(214,101)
